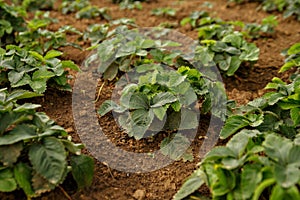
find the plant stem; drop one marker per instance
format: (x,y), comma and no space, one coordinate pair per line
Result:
(65,193)
(99,92)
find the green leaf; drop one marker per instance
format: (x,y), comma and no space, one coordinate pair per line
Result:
(26,106)
(295,49)
(72,147)
(279,193)
(238,143)
(48,158)
(69,64)
(107,106)
(138,101)
(162,99)
(82,170)
(271,144)
(262,186)
(189,119)
(40,184)
(160,112)
(9,154)
(234,39)
(295,115)
(175,147)
(15,76)
(39,85)
(234,65)
(232,125)
(194,182)
(37,55)
(7,181)
(250,177)
(19,133)
(219,152)
(287,176)
(22,173)
(42,74)
(251,53)
(21,94)
(287,66)
(111,72)
(52,54)
(226,182)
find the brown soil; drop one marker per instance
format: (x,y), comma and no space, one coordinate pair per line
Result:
(161,184)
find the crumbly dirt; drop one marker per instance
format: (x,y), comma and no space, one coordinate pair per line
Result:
(248,83)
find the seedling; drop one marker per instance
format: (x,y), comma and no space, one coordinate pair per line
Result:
(164,12)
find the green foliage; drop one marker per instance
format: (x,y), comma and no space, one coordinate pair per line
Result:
(267,27)
(71,6)
(38,38)
(11,22)
(19,68)
(164,12)
(228,53)
(276,111)
(198,19)
(128,4)
(35,152)
(127,1)
(262,154)
(96,33)
(288,7)
(293,58)
(90,12)
(158,97)
(33,5)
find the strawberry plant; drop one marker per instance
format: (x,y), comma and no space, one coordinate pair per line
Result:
(198,19)
(228,53)
(38,38)
(288,7)
(20,68)
(158,98)
(254,30)
(11,22)
(70,6)
(261,160)
(33,5)
(127,4)
(96,33)
(164,12)
(130,1)
(36,154)
(90,12)
(293,58)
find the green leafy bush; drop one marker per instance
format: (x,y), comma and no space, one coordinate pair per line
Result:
(261,159)
(293,58)
(38,38)
(163,94)
(228,53)
(254,30)
(11,22)
(71,6)
(33,5)
(164,12)
(128,4)
(96,33)
(19,68)
(130,1)
(288,7)
(90,12)
(36,155)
